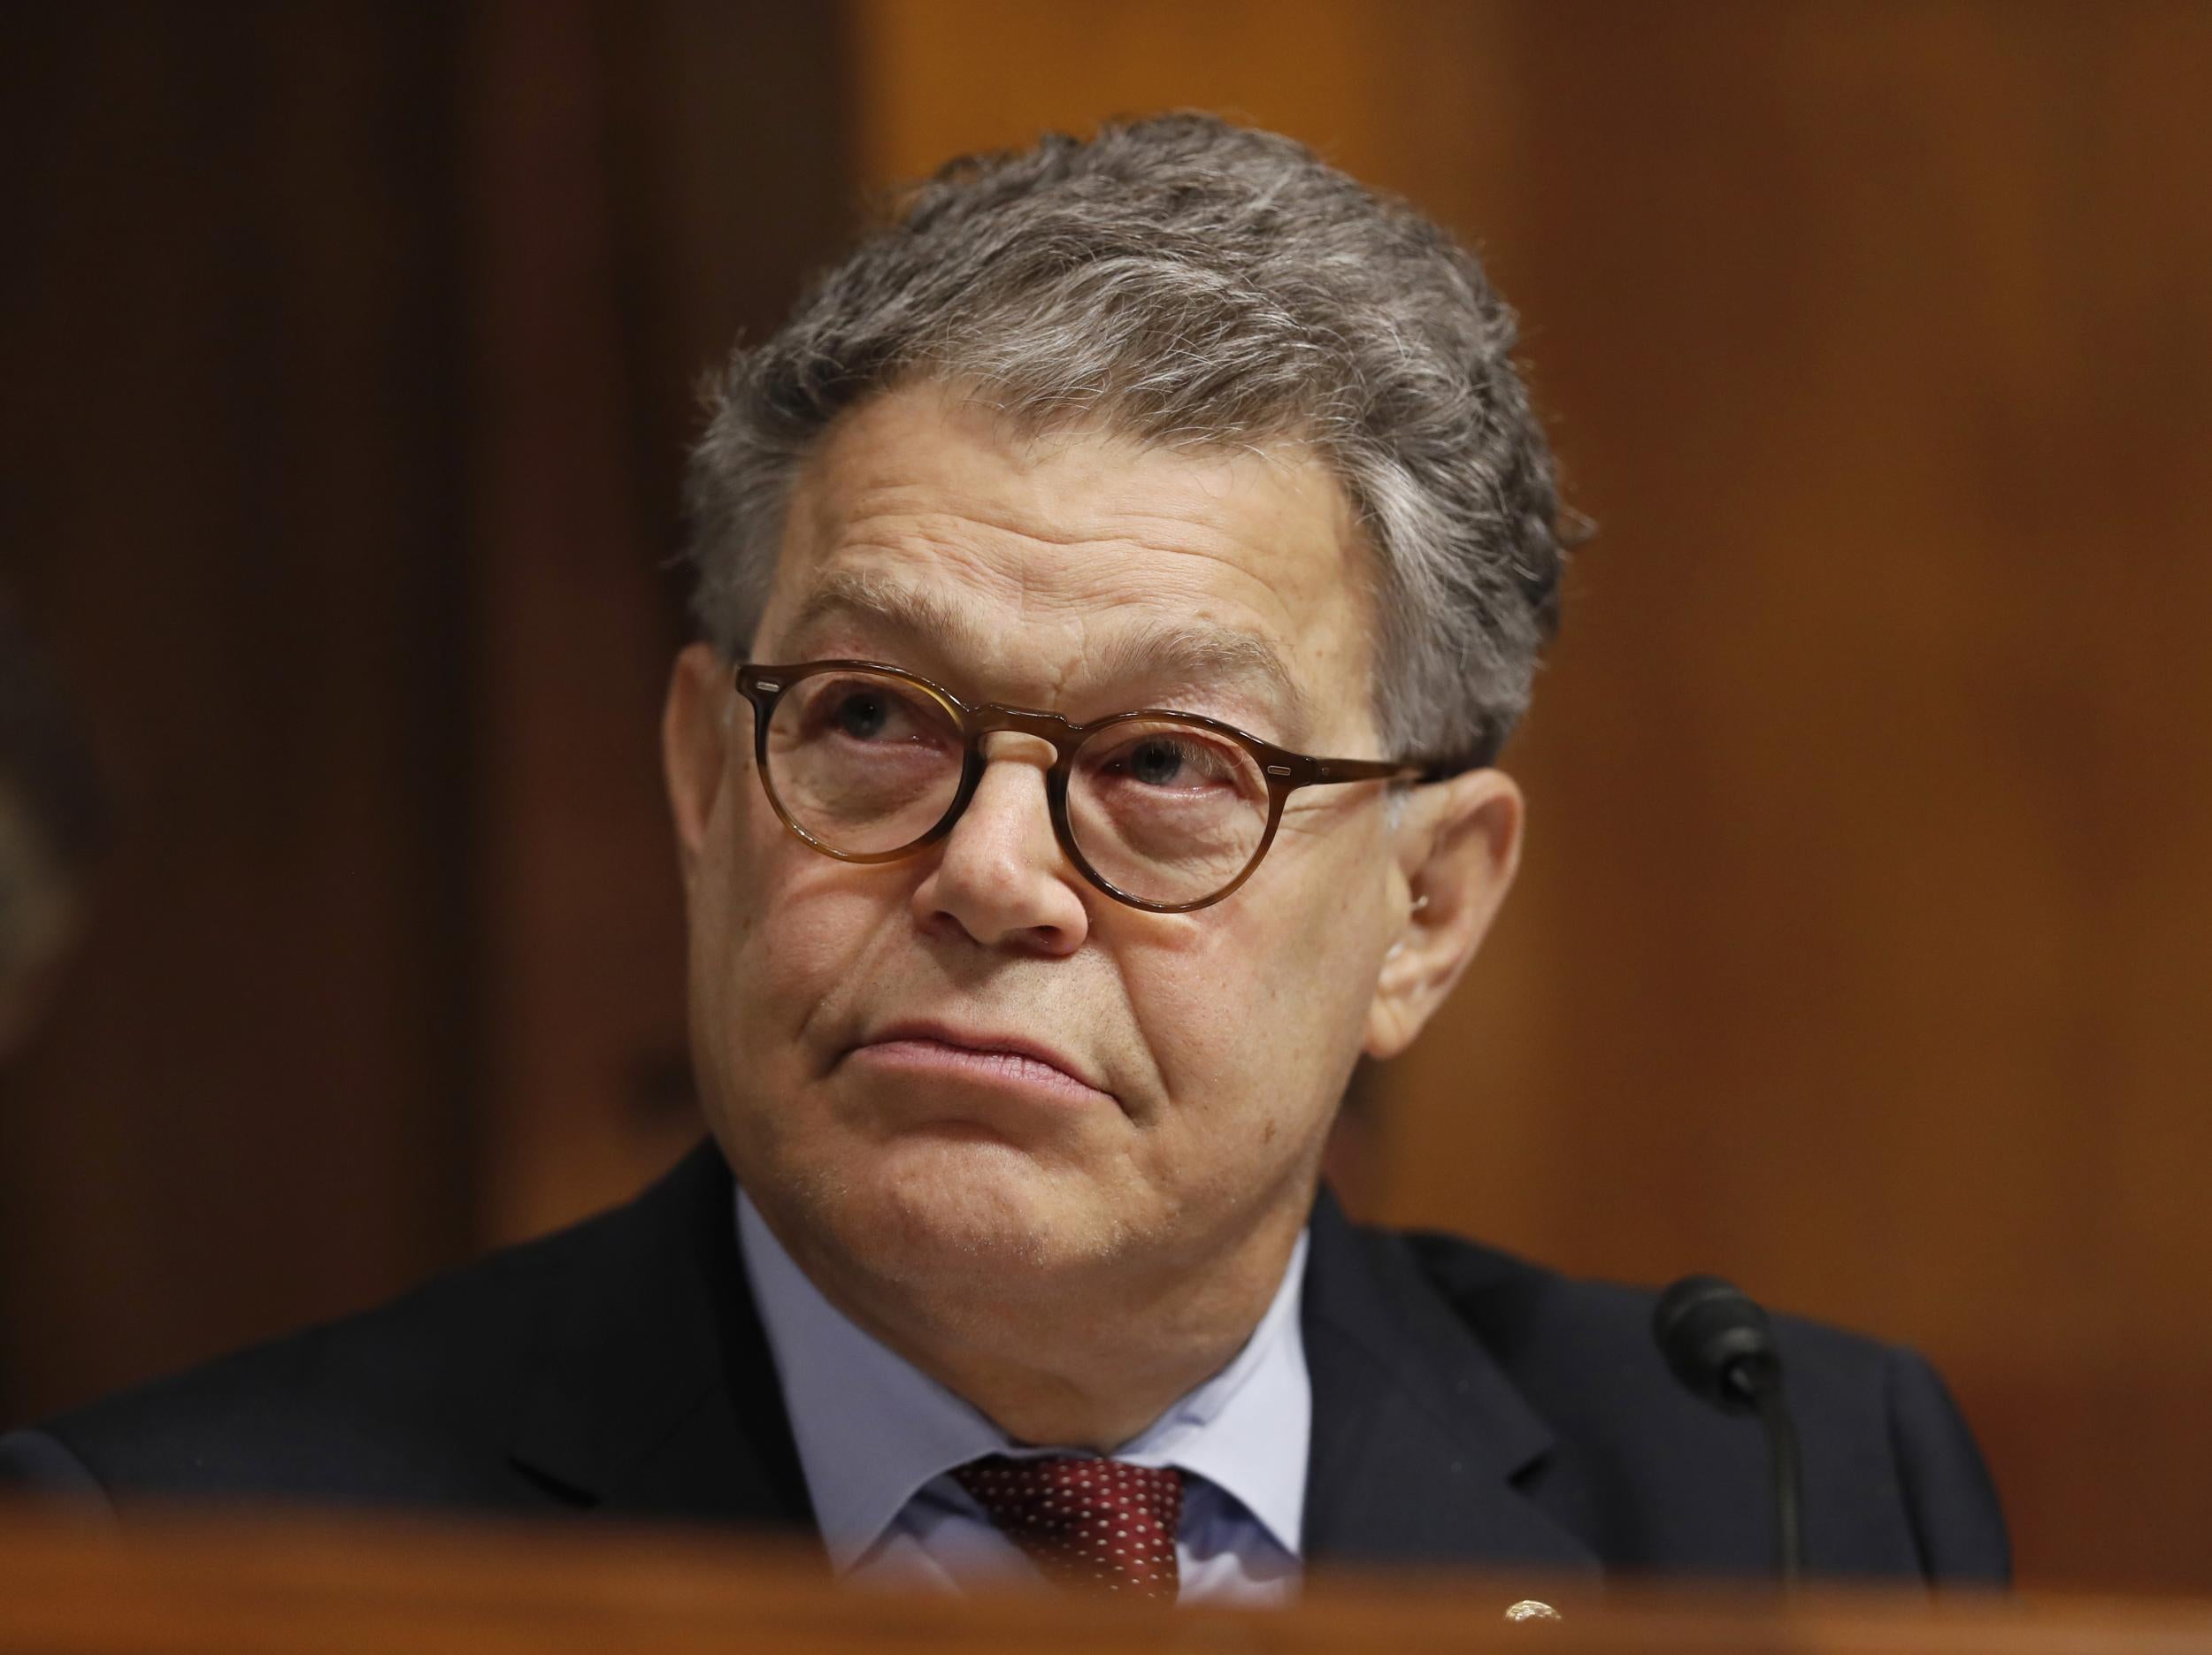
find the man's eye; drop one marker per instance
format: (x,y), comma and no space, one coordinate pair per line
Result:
(1168,762)
(861,715)
(1155,763)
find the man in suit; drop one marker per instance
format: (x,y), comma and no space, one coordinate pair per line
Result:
(1118,578)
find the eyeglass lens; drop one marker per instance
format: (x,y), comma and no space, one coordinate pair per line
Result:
(867,764)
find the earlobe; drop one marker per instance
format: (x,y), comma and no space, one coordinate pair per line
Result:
(1457,859)
(693,746)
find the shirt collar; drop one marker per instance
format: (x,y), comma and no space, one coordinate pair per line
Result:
(872,1428)
(1246,1429)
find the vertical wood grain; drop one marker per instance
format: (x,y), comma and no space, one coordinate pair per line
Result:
(232,501)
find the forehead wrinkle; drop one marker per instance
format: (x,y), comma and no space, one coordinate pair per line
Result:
(1201,656)
(890,603)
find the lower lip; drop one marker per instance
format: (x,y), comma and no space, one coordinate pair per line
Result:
(998,1071)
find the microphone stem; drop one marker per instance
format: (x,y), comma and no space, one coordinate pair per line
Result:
(1782,1460)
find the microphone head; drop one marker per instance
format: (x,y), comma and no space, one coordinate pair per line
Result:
(1718,1341)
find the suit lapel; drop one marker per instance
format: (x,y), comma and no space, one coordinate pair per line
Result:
(1422,1451)
(652,1390)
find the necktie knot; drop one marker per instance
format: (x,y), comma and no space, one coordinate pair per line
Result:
(1092,1522)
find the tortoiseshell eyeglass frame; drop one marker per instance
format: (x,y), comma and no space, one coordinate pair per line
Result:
(1285,771)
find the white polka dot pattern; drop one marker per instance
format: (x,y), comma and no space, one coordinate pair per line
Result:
(1086,1522)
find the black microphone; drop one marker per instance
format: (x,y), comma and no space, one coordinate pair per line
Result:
(1721,1346)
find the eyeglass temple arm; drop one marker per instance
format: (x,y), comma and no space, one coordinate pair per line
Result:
(1328,771)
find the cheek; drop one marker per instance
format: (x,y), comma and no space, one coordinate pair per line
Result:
(1256,1018)
(771,934)
(1318,936)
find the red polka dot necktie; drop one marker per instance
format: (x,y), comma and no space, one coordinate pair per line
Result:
(1085,1522)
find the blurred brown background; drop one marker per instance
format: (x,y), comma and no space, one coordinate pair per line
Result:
(1862,946)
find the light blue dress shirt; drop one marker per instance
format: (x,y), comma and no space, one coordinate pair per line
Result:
(878,1439)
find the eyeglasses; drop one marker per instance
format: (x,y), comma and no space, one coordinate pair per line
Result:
(1166,811)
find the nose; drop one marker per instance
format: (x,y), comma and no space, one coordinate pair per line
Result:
(1000,876)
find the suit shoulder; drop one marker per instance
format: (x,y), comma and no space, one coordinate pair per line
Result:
(374,1403)
(1894,1482)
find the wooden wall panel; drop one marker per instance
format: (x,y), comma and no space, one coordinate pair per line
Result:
(583,968)
(1861,949)
(231,498)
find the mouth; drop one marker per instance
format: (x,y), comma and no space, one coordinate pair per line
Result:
(991,1061)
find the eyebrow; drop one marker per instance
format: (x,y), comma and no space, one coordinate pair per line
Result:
(1179,652)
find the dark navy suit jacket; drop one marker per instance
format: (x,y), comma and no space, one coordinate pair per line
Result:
(1468,1409)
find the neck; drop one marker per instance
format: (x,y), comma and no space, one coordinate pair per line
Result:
(1078,1363)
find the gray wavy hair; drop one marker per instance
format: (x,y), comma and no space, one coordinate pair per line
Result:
(1191,283)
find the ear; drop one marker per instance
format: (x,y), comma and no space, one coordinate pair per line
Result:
(694,735)
(1458,848)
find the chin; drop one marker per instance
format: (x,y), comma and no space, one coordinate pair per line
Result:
(951,1202)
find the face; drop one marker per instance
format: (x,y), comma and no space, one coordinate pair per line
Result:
(972,1063)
